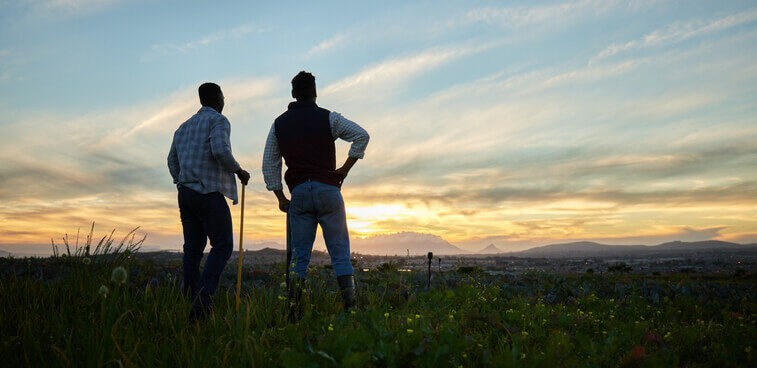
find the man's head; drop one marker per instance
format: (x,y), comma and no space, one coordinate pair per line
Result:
(303,86)
(211,96)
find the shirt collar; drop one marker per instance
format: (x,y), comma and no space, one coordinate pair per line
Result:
(301,104)
(207,108)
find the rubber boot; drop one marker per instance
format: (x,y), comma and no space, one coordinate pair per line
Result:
(347,287)
(294,296)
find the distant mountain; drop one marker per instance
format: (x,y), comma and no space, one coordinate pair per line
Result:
(264,245)
(400,243)
(490,249)
(3,253)
(670,249)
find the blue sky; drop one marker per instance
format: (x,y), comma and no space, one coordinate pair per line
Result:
(514,123)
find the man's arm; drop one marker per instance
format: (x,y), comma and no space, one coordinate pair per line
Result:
(173,163)
(272,169)
(349,131)
(220,147)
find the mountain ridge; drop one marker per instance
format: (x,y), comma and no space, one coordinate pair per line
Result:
(403,243)
(592,249)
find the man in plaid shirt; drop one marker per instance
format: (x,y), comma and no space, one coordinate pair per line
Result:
(203,168)
(304,136)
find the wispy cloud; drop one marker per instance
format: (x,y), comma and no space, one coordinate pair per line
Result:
(395,71)
(219,36)
(331,44)
(62,8)
(528,15)
(681,31)
(72,4)
(182,104)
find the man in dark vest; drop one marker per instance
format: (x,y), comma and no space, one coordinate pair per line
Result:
(304,136)
(203,169)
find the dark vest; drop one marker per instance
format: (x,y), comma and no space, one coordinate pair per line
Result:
(305,141)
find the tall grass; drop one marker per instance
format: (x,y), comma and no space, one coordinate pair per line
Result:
(104,251)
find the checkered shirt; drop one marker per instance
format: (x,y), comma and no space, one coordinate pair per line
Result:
(341,128)
(200,157)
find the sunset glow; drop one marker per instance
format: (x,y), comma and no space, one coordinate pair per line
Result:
(489,123)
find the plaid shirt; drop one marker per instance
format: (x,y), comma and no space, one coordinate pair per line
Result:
(200,157)
(340,128)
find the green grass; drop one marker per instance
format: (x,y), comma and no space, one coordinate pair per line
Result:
(53,315)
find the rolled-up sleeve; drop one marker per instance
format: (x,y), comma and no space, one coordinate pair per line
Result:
(349,131)
(220,144)
(272,162)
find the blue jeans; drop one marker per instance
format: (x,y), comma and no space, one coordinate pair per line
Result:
(204,216)
(316,203)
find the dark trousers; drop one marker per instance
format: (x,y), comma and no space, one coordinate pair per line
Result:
(203,217)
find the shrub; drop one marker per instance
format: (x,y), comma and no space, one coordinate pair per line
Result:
(620,267)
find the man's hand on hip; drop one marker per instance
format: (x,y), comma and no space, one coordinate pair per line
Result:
(243,175)
(342,172)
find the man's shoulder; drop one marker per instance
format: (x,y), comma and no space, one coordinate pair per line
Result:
(209,117)
(281,116)
(210,113)
(183,126)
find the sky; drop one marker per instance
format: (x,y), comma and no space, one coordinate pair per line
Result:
(512,123)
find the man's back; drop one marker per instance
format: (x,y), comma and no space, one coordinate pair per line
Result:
(305,140)
(201,158)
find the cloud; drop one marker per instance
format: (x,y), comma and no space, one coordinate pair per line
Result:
(529,15)
(64,8)
(62,171)
(335,42)
(636,5)
(219,36)
(644,147)
(681,31)
(72,4)
(393,72)
(521,196)
(180,105)
(743,238)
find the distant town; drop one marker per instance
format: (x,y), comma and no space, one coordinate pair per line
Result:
(571,258)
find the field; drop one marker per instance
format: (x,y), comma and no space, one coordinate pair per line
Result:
(55,312)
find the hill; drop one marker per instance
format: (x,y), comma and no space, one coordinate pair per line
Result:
(670,249)
(400,243)
(490,249)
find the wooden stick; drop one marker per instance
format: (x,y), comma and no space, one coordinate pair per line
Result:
(241,251)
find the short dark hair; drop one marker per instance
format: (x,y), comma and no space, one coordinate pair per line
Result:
(303,85)
(209,93)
